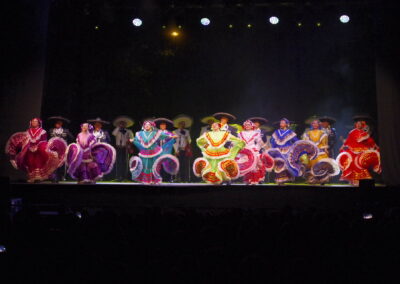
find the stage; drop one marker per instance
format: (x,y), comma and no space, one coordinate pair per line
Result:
(126,195)
(128,230)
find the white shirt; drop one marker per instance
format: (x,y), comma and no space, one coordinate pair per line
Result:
(182,140)
(120,138)
(99,135)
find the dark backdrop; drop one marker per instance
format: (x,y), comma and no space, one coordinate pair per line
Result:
(273,71)
(284,71)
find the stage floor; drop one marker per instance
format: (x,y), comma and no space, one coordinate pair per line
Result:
(191,185)
(200,195)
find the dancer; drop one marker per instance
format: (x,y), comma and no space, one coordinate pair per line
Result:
(30,152)
(258,122)
(88,160)
(183,148)
(359,154)
(122,137)
(327,126)
(61,132)
(224,119)
(166,143)
(320,169)
(283,138)
(218,163)
(146,167)
(98,132)
(253,164)
(282,141)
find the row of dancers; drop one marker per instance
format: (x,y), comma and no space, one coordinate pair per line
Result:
(229,151)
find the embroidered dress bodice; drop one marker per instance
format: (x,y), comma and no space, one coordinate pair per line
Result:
(217,139)
(318,136)
(148,138)
(85,140)
(283,136)
(35,134)
(252,139)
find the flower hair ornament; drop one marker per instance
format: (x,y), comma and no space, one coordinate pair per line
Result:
(249,123)
(152,124)
(90,127)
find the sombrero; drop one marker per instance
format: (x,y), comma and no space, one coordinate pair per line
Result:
(219,115)
(56,118)
(167,121)
(98,119)
(183,118)
(311,119)
(238,127)
(129,121)
(364,117)
(260,120)
(329,119)
(207,118)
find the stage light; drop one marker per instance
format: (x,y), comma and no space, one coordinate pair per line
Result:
(249,25)
(2,249)
(299,24)
(318,24)
(174,34)
(344,19)
(96,27)
(164,27)
(137,22)
(230,26)
(78,214)
(179,27)
(367,216)
(274,20)
(205,21)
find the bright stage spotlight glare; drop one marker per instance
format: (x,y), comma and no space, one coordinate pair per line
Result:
(137,22)
(174,34)
(2,249)
(367,216)
(230,26)
(205,21)
(344,19)
(274,20)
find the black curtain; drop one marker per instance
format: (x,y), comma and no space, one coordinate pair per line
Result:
(388,91)
(22,69)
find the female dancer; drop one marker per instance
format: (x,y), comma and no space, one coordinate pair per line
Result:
(252,163)
(30,152)
(320,169)
(289,153)
(147,167)
(88,160)
(218,162)
(359,154)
